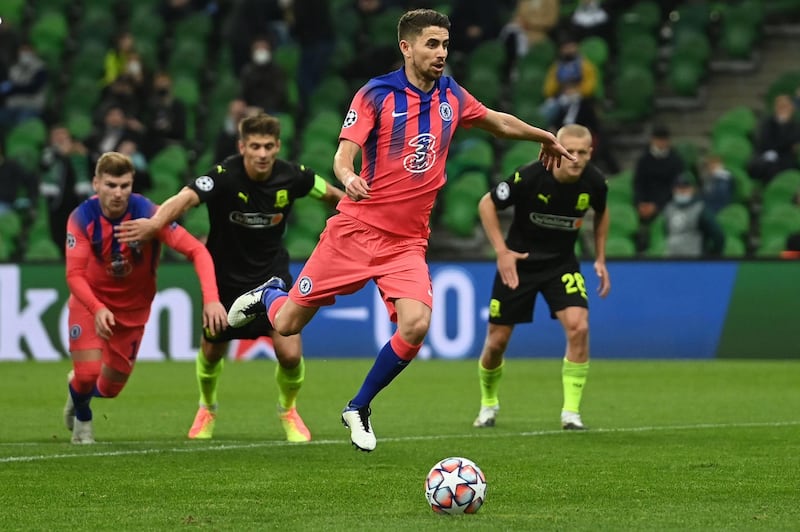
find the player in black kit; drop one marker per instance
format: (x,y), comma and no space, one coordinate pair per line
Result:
(249,198)
(538,255)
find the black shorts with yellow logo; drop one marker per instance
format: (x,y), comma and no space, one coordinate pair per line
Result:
(561,284)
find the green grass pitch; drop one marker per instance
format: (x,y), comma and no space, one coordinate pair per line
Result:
(672,445)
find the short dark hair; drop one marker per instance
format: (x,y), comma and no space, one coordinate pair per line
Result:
(259,124)
(413,22)
(660,131)
(114,164)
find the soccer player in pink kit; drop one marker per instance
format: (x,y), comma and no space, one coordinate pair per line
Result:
(112,286)
(403,123)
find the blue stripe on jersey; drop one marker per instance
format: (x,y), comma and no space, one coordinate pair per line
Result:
(447,125)
(377,96)
(399,118)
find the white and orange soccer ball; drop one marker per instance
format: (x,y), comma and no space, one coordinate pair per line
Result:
(455,485)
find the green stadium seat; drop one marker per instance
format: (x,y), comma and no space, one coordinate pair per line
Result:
(780,221)
(620,188)
(42,250)
(739,120)
(734,150)
(639,49)
(624,220)
(634,90)
(618,246)
(595,49)
(734,247)
(519,154)
(734,220)
(684,76)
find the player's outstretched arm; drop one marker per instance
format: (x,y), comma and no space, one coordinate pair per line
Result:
(173,208)
(508,126)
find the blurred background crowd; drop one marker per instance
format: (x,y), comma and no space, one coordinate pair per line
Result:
(692,104)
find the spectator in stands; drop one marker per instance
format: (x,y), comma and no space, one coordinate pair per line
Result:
(143,182)
(250,19)
(116,60)
(692,231)
(591,19)
(371,59)
(472,24)
(312,29)
(166,118)
(717,182)
(532,22)
(227,142)
(13,180)
(65,181)
(115,129)
(124,93)
(9,44)
(656,171)
(263,82)
(25,89)
(570,78)
(778,142)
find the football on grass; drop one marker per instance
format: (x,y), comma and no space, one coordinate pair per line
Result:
(455,486)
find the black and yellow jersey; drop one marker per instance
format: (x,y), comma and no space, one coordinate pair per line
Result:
(248,218)
(547,213)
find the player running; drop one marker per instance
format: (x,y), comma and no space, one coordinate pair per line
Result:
(402,123)
(249,198)
(112,285)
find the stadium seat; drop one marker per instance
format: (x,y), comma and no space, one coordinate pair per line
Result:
(734,219)
(618,246)
(42,249)
(781,190)
(780,221)
(693,45)
(620,188)
(471,155)
(519,154)
(744,187)
(624,221)
(488,54)
(31,131)
(658,238)
(739,120)
(646,13)
(309,216)
(734,247)
(738,39)
(332,94)
(79,125)
(634,90)
(196,221)
(595,49)
(299,244)
(528,88)
(684,76)
(771,246)
(640,49)
(540,56)
(734,150)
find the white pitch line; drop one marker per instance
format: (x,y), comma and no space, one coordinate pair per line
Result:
(193,447)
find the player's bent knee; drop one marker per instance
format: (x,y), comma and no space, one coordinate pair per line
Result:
(109,388)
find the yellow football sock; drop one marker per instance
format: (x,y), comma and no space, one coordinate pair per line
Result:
(207,378)
(289,383)
(573,378)
(490,381)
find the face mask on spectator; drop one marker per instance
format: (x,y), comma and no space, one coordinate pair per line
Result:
(261,57)
(682,198)
(659,153)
